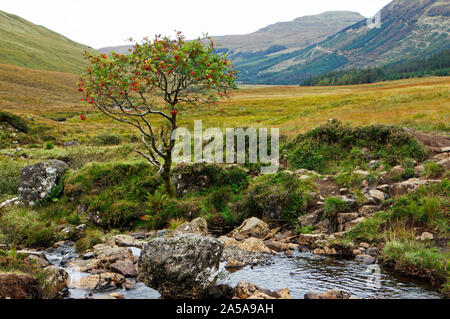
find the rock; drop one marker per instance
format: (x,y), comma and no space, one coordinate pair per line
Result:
(445,163)
(234,264)
(85,265)
(395,172)
(361,172)
(20,286)
(56,280)
(310,219)
(254,245)
(124,267)
(247,257)
(331,294)
(99,282)
(127,241)
(252,227)
(368,210)
(353,223)
(71,144)
(116,295)
(9,202)
(304,177)
(384,188)
(180,267)
(343,191)
(228,241)
(364,245)
(375,196)
(365,259)
(373,163)
(279,246)
(425,236)
(197,226)
(110,254)
(246,290)
(343,218)
(323,226)
(445,149)
(41,262)
(308,240)
(37,181)
(418,170)
(219,292)
(410,186)
(88,255)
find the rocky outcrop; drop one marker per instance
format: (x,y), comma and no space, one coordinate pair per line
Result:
(252,227)
(37,181)
(410,186)
(57,280)
(180,267)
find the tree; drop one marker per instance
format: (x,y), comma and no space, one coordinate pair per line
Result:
(158,79)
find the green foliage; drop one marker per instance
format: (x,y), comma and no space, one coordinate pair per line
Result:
(15,121)
(335,145)
(368,230)
(220,197)
(279,196)
(49,146)
(92,237)
(304,230)
(23,226)
(420,255)
(433,170)
(9,177)
(335,205)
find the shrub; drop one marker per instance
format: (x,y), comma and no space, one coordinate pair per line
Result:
(107,139)
(219,198)
(92,237)
(334,144)
(433,170)
(367,231)
(278,196)
(49,146)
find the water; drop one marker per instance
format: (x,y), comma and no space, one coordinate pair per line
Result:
(302,273)
(307,273)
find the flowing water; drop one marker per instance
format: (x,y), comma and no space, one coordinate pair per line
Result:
(301,273)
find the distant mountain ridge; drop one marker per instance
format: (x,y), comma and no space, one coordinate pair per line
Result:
(409,29)
(25,44)
(296,34)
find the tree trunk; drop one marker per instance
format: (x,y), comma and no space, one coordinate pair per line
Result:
(166,176)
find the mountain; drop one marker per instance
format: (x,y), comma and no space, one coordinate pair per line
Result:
(25,44)
(409,29)
(282,36)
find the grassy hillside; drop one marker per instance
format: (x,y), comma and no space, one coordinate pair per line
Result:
(23,43)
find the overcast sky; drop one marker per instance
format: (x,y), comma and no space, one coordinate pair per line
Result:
(110,22)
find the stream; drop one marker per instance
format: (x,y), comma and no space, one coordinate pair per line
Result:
(301,273)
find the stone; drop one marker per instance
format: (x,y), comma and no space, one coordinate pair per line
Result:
(395,172)
(279,246)
(246,290)
(418,170)
(254,245)
(426,236)
(361,172)
(228,241)
(99,282)
(343,218)
(234,264)
(110,254)
(85,265)
(124,267)
(331,294)
(365,259)
(127,241)
(310,219)
(57,279)
(445,163)
(367,210)
(375,196)
(37,181)
(38,260)
(410,186)
(252,227)
(180,267)
(197,226)
(353,223)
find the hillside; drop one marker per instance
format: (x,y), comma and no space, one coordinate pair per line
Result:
(25,44)
(409,29)
(436,65)
(282,36)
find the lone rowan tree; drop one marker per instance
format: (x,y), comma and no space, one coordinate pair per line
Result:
(156,79)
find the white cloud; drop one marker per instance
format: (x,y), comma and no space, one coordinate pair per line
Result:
(104,23)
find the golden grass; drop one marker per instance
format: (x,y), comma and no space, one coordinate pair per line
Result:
(418,103)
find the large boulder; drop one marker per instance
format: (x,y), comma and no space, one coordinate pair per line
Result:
(111,254)
(37,181)
(198,226)
(252,227)
(57,279)
(180,267)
